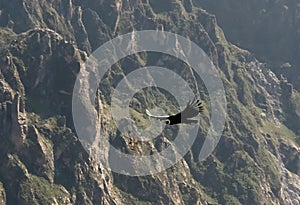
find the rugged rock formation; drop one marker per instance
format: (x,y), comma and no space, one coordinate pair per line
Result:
(13,120)
(2,194)
(43,46)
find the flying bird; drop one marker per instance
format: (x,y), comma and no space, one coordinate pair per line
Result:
(192,109)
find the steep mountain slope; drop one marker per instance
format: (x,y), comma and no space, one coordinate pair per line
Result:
(268,28)
(44,45)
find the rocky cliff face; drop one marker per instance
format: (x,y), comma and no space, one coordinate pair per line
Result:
(44,45)
(268,28)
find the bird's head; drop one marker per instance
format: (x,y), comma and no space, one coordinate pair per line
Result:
(167,121)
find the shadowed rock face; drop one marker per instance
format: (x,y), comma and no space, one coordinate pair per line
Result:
(43,46)
(13,120)
(268,28)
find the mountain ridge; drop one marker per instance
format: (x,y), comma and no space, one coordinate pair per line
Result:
(45,43)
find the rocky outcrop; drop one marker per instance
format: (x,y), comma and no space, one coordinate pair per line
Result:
(2,195)
(14,121)
(42,162)
(290,156)
(17,173)
(18,121)
(287,157)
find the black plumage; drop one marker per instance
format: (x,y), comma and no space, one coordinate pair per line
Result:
(192,109)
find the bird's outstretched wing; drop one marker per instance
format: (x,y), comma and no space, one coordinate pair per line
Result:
(164,117)
(192,109)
